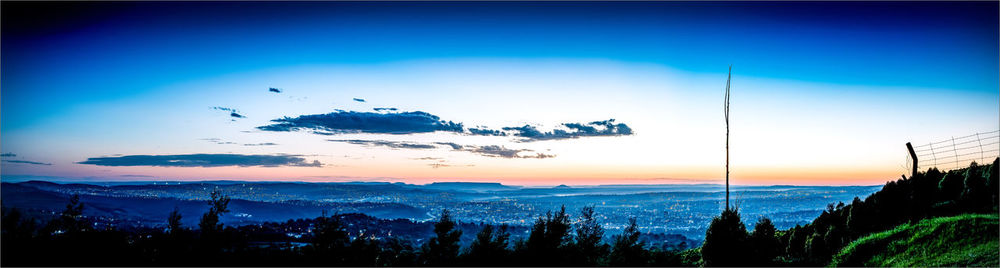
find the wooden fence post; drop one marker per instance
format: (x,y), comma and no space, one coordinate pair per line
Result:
(914,156)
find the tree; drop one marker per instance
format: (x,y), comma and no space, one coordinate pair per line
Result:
(210,220)
(548,239)
(627,249)
(442,250)
(725,240)
(489,247)
(764,243)
(71,219)
(174,222)
(588,238)
(329,233)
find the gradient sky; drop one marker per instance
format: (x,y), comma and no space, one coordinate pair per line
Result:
(823,93)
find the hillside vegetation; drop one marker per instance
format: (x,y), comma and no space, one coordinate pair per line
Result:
(888,216)
(964,240)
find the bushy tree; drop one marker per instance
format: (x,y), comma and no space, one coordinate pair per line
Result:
(726,241)
(174,221)
(764,243)
(589,235)
(627,250)
(71,219)
(442,250)
(490,247)
(329,240)
(548,240)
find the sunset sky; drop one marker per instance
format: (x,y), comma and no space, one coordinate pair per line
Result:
(518,93)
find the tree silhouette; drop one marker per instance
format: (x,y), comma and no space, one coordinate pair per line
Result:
(442,250)
(725,241)
(548,239)
(330,240)
(764,243)
(489,247)
(71,219)
(627,249)
(588,239)
(174,221)
(210,220)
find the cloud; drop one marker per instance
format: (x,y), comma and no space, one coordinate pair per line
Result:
(136,176)
(608,127)
(275,90)
(365,122)
(428,158)
(485,150)
(500,151)
(218,141)
(454,146)
(260,144)
(439,165)
(203,160)
(390,144)
(359,100)
(387,121)
(495,151)
(486,132)
(8,155)
(232,112)
(27,162)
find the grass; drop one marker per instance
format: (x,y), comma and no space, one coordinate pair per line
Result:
(964,240)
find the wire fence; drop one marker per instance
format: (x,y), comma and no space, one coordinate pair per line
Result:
(956,152)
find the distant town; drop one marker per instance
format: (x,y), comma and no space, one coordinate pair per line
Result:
(659,209)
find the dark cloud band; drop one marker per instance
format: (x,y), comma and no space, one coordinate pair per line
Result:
(608,127)
(27,162)
(386,122)
(365,122)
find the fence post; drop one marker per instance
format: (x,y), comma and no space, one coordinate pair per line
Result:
(914,156)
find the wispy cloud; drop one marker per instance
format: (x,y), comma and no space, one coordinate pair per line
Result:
(504,152)
(454,146)
(232,112)
(136,176)
(203,160)
(217,141)
(390,144)
(27,162)
(8,155)
(484,150)
(439,165)
(260,144)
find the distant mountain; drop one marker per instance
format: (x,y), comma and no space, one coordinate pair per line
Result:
(153,210)
(469,186)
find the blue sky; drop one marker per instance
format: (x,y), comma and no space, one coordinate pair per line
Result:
(74,75)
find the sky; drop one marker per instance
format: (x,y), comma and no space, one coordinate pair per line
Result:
(539,93)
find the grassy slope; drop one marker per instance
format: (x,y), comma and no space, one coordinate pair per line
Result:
(964,240)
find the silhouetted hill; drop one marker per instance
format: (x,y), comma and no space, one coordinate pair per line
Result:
(469,186)
(925,195)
